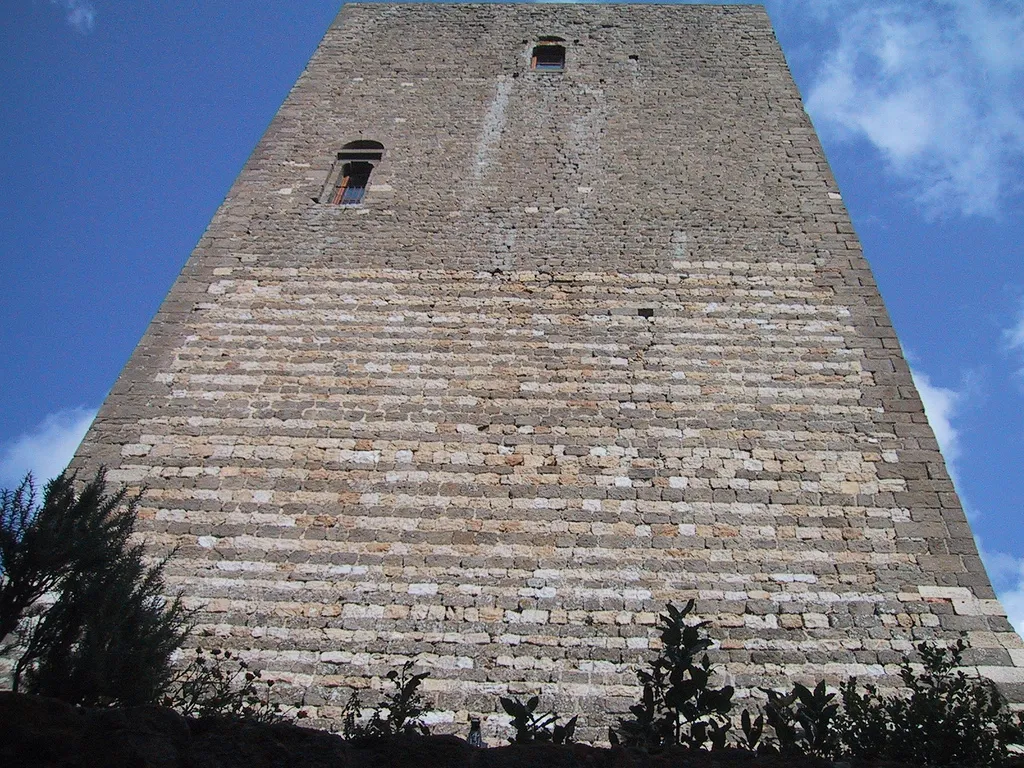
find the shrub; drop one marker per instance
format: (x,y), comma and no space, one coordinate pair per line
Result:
(218,684)
(943,717)
(947,719)
(399,711)
(678,706)
(803,722)
(530,725)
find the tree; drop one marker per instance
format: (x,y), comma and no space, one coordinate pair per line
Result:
(108,634)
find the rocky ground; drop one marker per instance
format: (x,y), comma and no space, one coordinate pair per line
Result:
(37,732)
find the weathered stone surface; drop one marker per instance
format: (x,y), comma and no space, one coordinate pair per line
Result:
(595,340)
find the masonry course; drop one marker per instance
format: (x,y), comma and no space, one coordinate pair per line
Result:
(595,340)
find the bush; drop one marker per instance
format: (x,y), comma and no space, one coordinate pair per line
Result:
(678,707)
(108,635)
(947,719)
(944,717)
(529,725)
(803,722)
(399,712)
(218,684)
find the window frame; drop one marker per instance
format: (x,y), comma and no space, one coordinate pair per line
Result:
(349,178)
(348,193)
(551,63)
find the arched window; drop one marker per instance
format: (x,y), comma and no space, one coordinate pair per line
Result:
(351,173)
(549,55)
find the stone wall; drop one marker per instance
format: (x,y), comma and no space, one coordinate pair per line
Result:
(595,340)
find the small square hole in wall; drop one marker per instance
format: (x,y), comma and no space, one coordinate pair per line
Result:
(548,55)
(646,312)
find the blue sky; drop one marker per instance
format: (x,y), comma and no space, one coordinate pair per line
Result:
(123,124)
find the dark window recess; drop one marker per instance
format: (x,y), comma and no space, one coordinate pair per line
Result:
(549,57)
(645,312)
(354,178)
(351,173)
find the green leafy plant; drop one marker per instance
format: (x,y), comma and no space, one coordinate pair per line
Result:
(104,634)
(678,706)
(529,725)
(399,712)
(219,684)
(803,721)
(753,729)
(946,717)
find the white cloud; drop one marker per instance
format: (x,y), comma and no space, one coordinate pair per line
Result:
(936,86)
(1007,575)
(46,450)
(1015,335)
(1013,601)
(1014,339)
(940,406)
(1006,571)
(80,14)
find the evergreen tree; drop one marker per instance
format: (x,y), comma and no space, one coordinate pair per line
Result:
(108,634)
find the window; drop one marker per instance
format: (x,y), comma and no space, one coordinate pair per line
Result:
(350,176)
(549,55)
(352,185)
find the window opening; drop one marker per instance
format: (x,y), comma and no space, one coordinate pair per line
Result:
(351,174)
(549,55)
(352,187)
(645,312)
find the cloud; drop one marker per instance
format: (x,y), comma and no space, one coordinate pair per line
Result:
(80,14)
(1007,575)
(1013,600)
(936,86)
(1013,338)
(940,406)
(1015,335)
(46,450)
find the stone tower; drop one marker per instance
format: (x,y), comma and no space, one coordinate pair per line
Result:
(520,322)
